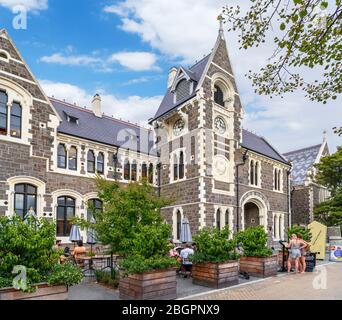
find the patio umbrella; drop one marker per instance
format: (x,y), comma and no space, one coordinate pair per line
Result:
(75,234)
(185,235)
(91,235)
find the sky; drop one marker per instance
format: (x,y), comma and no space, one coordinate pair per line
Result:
(124,49)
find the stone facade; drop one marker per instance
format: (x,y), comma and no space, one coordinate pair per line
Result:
(205,190)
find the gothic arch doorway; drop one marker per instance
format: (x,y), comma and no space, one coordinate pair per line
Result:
(252,215)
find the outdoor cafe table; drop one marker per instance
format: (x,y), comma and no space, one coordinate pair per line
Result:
(98,262)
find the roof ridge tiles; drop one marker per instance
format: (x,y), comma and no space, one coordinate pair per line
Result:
(302,149)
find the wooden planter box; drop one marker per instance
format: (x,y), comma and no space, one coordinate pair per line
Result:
(216,275)
(259,267)
(43,292)
(155,285)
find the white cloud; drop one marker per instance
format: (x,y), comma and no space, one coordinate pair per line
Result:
(136,61)
(134,108)
(58,58)
(30,5)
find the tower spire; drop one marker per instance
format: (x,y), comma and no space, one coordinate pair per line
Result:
(221,31)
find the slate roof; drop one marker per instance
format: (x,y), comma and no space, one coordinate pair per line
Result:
(195,73)
(106,130)
(260,145)
(302,161)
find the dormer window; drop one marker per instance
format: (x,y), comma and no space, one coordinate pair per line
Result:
(218,96)
(71,118)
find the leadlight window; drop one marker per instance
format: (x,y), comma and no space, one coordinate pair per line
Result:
(100,163)
(15,121)
(66,208)
(91,161)
(72,159)
(25,198)
(61,156)
(3,113)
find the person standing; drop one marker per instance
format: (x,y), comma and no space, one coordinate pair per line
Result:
(295,247)
(303,250)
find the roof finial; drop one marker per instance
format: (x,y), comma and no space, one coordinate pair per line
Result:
(221,32)
(324,135)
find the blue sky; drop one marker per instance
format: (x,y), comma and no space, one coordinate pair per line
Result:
(124,49)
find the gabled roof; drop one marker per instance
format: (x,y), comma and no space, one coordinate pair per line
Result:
(302,161)
(260,145)
(105,130)
(195,73)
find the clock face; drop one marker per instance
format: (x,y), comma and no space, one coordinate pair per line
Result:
(220,125)
(178,127)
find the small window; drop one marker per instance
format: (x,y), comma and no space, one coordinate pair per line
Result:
(179,224)
(127,170)
(134,171)
(181,165)
(227,217)
(218,218)
(3,55)
(218,96)
(256,180)
(61,156)
(25,198)
(15,120)
(144,170)
(100,163)
(3,113)
(91,161)
(175,167)
(72,159)
(150,173)
(251,172)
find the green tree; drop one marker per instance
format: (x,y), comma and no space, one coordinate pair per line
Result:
(329,171)
(330,212)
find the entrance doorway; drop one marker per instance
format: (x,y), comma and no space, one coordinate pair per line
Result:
(251,211)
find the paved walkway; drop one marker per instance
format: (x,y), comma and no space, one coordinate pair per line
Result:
(323,284)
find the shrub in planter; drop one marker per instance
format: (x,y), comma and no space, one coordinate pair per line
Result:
(131,223)
(29,244)
(257,259)
(105,277)
(215,262)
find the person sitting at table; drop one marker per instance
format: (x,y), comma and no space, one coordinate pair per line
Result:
(79,252)
(186,261)
(173,252)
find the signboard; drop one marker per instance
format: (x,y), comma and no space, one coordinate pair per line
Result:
(336,250)
(319,239)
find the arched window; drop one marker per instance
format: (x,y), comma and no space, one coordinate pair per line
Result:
(150,173)
(100,163)
(134,171)
(3,113)
(179,224)
(15,121)
(94,206)
(275,226)
(65,212)
(280,227)
(276,179)
(61,156)
(175,167)
(218,218)
(256,180)
(218,95)
(25,198)
(251,172)
(227,217)
(181,165)
(72,159)
(144,170)
(127,170)
(91,161)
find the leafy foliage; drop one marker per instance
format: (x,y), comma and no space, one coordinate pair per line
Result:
(66,274)
(330,212)
(132,225)
(305,232)
(105,277)
(28,244)
(329,171)
(254,242)
(308,34)
(213,245)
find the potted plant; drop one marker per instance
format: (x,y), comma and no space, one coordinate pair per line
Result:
(215,262)
(257,260)
(29,267)
(131,223)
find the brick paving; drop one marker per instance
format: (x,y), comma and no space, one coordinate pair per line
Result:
(323,284)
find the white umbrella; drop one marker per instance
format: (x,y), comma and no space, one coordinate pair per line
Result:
(75,234)
(185,231)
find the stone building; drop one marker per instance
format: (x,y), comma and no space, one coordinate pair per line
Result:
(305,193)
(216,172)
(197,154)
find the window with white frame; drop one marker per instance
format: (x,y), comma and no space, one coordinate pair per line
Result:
(254,172)
(10,117)
(178,165)
(218,218)
(278,179)
(131,170)
(278,226)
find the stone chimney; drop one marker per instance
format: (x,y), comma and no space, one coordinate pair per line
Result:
(96,105)
(172,75)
